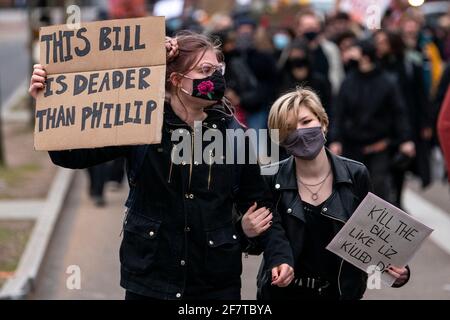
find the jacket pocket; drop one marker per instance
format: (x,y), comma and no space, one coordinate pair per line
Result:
(223,254)
(140,243)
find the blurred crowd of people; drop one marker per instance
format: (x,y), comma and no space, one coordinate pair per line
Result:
(382,88)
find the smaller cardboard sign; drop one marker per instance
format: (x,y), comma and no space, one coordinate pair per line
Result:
(379,235)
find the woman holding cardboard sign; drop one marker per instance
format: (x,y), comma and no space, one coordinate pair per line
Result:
(181,239)
(316,192)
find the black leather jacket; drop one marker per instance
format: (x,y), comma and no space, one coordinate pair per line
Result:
(351,184)
(180,226)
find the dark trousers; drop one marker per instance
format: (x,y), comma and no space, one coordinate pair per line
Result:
(102,173)
(117,170)
(398,179)
(379,168)
(98,176)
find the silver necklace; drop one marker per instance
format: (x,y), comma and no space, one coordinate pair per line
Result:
(314,195)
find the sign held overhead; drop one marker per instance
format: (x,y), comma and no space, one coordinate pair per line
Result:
(105,84)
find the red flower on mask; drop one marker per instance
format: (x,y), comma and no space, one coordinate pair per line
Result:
(206,88)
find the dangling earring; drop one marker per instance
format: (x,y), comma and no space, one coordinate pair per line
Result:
(182,103)
(181,87)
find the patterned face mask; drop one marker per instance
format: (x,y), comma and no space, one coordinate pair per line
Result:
(211,88)
(305,143)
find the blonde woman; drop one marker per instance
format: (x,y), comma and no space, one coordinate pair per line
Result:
(316,193)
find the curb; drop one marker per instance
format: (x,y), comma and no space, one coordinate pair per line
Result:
(21,209)
(6,111)
(431,215)
(23,282)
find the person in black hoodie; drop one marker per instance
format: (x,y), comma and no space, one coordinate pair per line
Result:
(251,75)
(298,71)
(369,118)
(409,77)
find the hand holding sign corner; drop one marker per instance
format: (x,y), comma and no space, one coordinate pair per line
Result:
(382,237)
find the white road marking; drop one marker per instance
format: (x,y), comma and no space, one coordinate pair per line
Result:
(430,215)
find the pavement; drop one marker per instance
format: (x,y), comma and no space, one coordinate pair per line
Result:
(88,238)
(14,62)
(14,53)
(20,209)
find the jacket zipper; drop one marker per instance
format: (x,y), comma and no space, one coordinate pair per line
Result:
(124,221)
(210,168)
(192,158)
(342,260)
(174,147)
(339,275)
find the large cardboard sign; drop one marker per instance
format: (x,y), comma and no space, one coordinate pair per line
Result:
(379,235)
(105,84)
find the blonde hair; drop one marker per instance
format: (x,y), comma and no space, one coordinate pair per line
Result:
(284,112)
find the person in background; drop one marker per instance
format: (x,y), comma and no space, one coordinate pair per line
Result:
(251,75)
(324,53)
(421,49)
(281,39)
(227,38)
(409,76)
(340,23)
(443,36)
(369,118)
(298,71)
(349,53)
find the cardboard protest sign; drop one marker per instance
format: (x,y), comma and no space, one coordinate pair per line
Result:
(379,234)
(105,84)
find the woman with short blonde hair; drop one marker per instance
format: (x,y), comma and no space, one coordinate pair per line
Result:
(315,192)
(284,112)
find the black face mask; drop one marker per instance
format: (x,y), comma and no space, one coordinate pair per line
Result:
(211,88)
(298,63)
(311,36)
(351,65)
